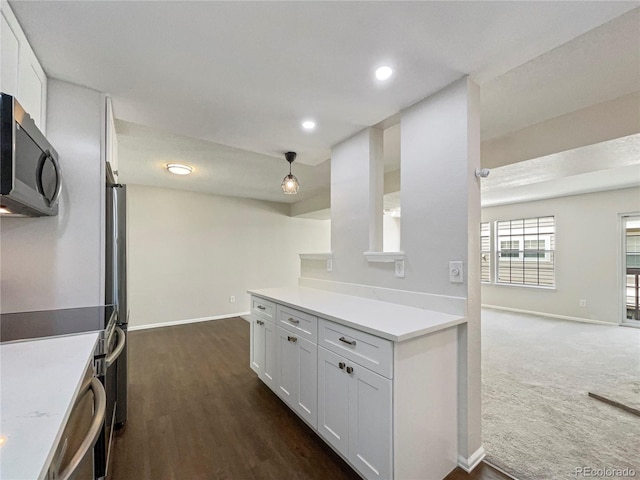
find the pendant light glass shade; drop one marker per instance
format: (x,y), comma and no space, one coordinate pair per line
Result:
(290,185)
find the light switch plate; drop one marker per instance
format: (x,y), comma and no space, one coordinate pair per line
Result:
(399,268)
(456,273)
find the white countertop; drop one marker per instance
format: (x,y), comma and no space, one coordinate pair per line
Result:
(387,320)
(39,380)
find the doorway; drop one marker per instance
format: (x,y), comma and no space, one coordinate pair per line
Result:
(631,269)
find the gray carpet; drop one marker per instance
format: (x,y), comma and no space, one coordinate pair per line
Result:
(538,421)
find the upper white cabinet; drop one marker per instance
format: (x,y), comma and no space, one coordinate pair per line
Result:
(111,139)
(21,74)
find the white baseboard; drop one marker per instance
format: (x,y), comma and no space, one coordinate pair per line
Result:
(184,322)
(550,315)
(468,464)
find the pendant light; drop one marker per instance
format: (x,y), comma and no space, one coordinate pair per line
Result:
(290,184)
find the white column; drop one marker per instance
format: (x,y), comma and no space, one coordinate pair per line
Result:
(357,176)
(440,148)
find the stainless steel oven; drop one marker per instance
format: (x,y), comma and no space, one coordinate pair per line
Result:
(107,356)
(74,457)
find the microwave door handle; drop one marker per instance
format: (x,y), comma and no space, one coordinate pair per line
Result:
(56,166)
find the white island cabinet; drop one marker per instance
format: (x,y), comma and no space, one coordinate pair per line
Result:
(377,381)
(263,341)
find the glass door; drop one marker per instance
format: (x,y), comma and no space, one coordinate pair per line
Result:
(631,268)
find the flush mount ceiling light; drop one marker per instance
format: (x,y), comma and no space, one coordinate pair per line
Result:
(308,124)
(179,168)
(384,73)
(290,184)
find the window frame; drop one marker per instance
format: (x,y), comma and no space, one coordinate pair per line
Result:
(545,256)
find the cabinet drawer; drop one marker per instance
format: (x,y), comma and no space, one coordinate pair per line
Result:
(264,308)
(295,321)
(372,352)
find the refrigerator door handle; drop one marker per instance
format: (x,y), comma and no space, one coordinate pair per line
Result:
(113,356)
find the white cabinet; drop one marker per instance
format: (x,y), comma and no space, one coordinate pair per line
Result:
(354,413)
(263,352)
(370,415)
(297,363)
(333,400)
(20,72)
(111,139)
(389,408)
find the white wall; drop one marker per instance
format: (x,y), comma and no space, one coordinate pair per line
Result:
(587,256)
(56,262)
(188,252)
(436,175)
(440,202)
(391,233)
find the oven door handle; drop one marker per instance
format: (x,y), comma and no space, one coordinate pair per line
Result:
(113,356)
(99,409)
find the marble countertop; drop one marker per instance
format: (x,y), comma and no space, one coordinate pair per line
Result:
(387,320)
(38,384)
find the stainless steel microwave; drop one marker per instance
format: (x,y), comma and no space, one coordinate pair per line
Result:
(30,177)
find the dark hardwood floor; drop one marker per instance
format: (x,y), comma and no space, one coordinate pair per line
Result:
(197,412)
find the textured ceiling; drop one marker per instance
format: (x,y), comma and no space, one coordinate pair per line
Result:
(244,74)
(605,166)
(600,65)
(144,152)
(224,85)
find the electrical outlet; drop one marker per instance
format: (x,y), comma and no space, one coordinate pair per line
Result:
(583,303)
(400,268)
(329,265)
(456,274)
(232,299)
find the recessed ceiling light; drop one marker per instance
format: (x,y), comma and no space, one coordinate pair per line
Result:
(179,168)
(383,73)
(308,124)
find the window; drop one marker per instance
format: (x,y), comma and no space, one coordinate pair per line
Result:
(485,252)
(525,251)
(510,248)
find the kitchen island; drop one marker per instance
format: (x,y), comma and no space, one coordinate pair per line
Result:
(39,382)
(377,381)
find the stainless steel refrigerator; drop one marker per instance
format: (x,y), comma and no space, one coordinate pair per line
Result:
(116,281)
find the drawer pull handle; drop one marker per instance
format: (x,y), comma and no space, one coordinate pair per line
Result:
(292,339)
(260,307)
(348,342)
(341,365)
(349,369)
(293,320)
(259,322)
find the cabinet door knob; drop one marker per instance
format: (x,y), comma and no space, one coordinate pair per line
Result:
(341,365)
(348,342)
(292,339)
(293,320)
(349,369)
